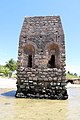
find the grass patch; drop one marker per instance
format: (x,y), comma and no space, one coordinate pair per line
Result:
(68,76)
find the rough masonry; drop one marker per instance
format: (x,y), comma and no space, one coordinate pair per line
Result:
(41,59)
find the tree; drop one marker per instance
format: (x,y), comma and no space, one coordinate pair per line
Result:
(68,72)
(4,70)
(8,68)
(1,68)
(12,66)
(75,74)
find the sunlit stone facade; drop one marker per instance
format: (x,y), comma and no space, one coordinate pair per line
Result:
(41,59)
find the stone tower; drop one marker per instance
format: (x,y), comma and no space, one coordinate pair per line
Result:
(41,59)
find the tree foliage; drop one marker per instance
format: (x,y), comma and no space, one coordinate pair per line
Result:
(75,74)
(11,64)
(8,68)
(4,70)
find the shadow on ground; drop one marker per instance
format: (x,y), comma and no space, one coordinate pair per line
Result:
(9,94)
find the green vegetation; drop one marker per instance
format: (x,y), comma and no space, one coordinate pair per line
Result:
(71,75)
(8,69)
(11,64)
(68,76)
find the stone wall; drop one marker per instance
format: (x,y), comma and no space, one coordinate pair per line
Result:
(41,59)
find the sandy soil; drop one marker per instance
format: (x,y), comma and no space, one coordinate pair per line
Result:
(12,108)
(7,83)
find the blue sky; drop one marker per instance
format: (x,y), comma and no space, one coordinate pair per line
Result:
(12,13)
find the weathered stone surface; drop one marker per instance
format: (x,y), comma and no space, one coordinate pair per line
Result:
(41,59)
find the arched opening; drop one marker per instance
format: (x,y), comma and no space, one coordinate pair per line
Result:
(53,56)
(29,51)
(51,62)
(30,61)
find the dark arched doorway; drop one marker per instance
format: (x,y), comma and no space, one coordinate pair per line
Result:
(53,55)
(51,62)
(29,60)
(29,51)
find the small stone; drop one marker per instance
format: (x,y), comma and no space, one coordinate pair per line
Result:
(35,78)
